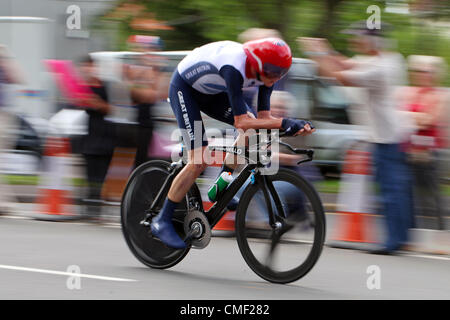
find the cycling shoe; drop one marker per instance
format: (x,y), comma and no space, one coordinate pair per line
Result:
(164,230)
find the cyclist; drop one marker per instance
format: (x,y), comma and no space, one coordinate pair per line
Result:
(210,79)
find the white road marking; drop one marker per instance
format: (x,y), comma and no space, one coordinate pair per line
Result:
(15,217)
(106,224)
(112,225)
(68,274)
(427,256)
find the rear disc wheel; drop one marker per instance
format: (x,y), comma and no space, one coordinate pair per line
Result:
(142,188)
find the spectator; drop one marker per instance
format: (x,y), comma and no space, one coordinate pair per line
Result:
(379,71)
(98,145)
(428,103)
(9,74)
(148,86)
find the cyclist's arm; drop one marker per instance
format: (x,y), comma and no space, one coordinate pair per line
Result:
(264,94)
(245,122)
(266,115)
(234,82)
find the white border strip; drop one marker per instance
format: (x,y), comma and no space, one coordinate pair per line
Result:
(68,274)
(445,258)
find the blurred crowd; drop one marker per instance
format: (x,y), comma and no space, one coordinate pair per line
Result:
(145,86)
(406,107)
(10,73)
(407,123)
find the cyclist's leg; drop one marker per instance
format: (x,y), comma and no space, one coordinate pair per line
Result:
(184,103)
(231,160)
(188,117)
(218,107)
(196,164)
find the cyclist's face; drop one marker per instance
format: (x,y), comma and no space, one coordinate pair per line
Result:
(268,82)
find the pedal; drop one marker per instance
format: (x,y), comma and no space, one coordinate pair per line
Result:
(145,223)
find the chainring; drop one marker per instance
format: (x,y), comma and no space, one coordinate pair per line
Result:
(195,216)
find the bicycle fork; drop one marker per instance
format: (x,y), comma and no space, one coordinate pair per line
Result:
(277,221)
(269,192)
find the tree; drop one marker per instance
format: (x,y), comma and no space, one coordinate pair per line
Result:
(326,26)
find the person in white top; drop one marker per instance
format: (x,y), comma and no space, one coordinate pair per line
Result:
(380,72)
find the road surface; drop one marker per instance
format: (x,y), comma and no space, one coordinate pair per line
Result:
(37,260)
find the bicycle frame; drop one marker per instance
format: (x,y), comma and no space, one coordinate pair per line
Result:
(217,211)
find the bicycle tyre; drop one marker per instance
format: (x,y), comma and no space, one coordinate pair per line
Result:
(260,269)
(140,191)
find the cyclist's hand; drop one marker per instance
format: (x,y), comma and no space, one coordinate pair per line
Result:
(295,127)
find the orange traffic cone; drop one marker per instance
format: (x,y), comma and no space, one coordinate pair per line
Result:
(353,228)
(227,221)
(353,213)
(54,195)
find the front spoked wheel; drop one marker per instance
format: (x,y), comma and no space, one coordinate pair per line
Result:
(142,188)
(289,248)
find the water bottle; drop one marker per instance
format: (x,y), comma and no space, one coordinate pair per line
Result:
(219,186)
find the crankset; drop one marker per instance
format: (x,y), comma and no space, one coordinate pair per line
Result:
(197,229)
